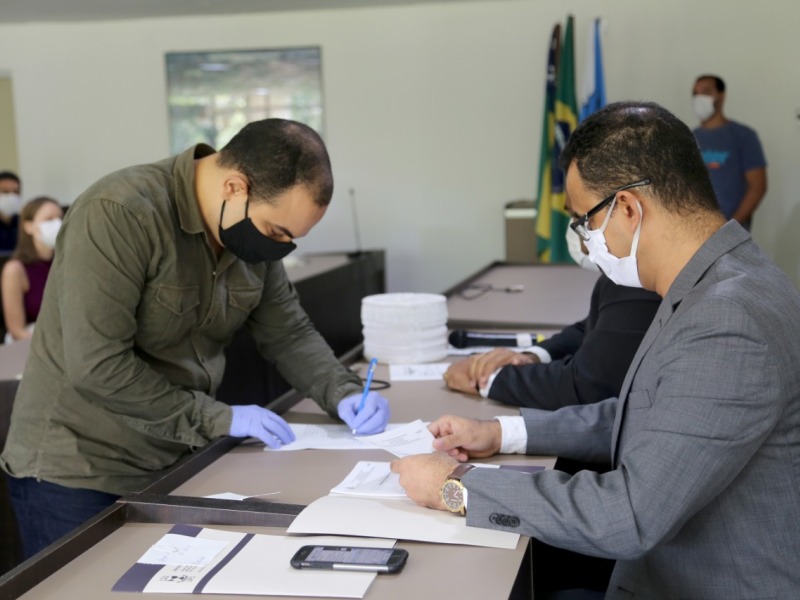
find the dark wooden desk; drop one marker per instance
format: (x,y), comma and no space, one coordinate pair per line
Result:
(330,287)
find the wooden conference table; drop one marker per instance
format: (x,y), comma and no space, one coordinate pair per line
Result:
(87,563)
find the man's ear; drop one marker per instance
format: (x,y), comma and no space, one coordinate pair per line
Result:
(235,186)
(628,207)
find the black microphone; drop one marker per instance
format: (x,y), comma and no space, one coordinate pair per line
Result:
(461,338)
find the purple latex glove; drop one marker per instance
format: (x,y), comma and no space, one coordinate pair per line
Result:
(255,421)
(373,417)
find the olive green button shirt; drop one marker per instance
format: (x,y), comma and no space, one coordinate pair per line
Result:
(128,348)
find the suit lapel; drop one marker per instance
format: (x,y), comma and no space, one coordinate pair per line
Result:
(663,315)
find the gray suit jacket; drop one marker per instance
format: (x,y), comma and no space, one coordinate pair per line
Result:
(704,498)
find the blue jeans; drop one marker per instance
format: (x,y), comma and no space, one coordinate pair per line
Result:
(46,511)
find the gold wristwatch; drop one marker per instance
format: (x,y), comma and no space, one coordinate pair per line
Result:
(453,490)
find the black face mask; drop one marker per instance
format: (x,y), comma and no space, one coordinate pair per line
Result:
(248,243)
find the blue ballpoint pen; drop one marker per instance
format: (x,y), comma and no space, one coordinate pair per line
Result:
(367,383)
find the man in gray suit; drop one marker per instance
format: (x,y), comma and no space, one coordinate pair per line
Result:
(703,500)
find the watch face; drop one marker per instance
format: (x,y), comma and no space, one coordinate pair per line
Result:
(453,495)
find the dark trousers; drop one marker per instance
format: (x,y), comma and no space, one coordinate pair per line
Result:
(558,573)
(47,511)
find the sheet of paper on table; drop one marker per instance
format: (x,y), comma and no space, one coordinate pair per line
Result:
(374,479)
(401,439)
(418,372)
(398,518)
(244,563)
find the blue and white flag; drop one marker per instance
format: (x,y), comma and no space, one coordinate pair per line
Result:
(593,86)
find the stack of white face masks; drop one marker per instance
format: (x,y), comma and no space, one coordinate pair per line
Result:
(404,328)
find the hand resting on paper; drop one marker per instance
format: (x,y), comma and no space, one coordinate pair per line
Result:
(260,423)
(463,438)
(422,476)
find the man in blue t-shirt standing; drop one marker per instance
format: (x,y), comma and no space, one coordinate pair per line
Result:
(731,151)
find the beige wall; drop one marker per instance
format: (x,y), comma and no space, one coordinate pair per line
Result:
(432,111)
(8,130)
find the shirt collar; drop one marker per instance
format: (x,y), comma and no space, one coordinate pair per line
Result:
(185,199)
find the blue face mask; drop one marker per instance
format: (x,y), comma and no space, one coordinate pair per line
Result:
(248,243)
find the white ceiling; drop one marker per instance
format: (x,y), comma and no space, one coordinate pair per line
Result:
(39,11)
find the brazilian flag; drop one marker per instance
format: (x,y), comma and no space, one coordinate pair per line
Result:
(552,219)
(547,146)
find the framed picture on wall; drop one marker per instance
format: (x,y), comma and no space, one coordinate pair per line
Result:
(212,95)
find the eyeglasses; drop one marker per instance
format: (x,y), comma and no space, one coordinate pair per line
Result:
(579,225)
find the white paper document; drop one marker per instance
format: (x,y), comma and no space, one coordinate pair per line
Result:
(398,518)
(251,564)
(175,549)
(324,437)
(239,497)
(372,479)
(227,496)
(404,440)
(401,439)
(418,372)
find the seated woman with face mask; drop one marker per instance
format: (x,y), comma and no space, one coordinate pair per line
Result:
(25,274)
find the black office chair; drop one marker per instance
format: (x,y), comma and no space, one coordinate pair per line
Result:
(4,256)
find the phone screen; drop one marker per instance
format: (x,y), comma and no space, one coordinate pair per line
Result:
(350,558)
(363,556)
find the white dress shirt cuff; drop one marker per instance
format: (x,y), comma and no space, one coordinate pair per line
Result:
(544,358)
(544,355)
(515,436)
(484,391)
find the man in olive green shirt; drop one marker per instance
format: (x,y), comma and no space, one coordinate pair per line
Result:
(156,267)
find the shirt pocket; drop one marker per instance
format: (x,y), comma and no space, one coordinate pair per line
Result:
(244,299)
(170,316)
(241,302)
(638,400)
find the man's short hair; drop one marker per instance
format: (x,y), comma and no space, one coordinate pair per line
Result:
(626,142)
(10,175)
(277,154)
(718,82)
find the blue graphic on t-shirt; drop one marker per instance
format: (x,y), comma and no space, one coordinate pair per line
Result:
(729,152)
(715,159)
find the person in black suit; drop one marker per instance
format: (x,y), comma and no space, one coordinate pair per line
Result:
(584,363)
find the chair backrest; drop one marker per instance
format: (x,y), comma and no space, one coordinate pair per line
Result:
(4,256)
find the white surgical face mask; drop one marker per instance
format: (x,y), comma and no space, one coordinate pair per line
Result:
(10,204)
(622,271)
(48,230)
(575,252)
(703,106)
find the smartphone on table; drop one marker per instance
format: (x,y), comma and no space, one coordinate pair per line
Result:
(350,558)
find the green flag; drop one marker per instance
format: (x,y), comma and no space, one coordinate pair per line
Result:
(547,146)
(551,227)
